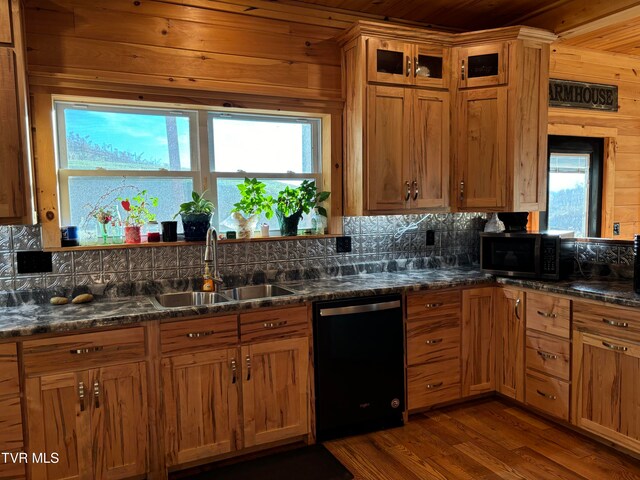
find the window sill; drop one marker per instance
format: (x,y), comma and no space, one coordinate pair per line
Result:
(182,243)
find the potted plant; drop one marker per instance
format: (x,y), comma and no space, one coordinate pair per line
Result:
(137,215)
(253,202)
(292,203)
(196,217)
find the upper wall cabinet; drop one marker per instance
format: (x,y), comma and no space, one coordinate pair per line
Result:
(15,158)
(402,85)
(500,123)
(402,63)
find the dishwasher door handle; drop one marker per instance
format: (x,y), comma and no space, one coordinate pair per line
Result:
(369,307)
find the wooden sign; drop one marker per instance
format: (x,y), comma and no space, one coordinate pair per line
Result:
(594,96)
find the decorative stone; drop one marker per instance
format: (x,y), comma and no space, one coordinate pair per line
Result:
(59,300)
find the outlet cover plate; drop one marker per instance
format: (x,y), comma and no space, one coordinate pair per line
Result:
(343,244)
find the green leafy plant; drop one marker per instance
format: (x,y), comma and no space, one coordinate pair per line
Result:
(254,199)
(198,204)
(138,209)
(301,200)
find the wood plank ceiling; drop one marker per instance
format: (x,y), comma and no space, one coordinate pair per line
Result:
(555,15)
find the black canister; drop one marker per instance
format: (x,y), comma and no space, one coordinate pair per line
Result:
(636,263)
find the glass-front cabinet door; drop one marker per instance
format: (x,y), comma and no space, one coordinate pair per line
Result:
(482,66)
(389,61)
(431,67)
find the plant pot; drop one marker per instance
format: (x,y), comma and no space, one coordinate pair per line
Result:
(289,225)
(132,234)
(246,226)
(195,226)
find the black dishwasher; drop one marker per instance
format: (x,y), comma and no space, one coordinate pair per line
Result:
(359,365)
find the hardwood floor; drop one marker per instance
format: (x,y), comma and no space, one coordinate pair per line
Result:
(485,440)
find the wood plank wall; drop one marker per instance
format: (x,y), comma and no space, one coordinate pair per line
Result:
(621,202)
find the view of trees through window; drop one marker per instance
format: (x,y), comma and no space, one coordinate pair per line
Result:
(110,152)
(569,193)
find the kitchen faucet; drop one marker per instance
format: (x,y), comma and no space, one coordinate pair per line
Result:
(211,256)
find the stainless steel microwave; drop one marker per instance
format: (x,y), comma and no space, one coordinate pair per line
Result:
(527,255)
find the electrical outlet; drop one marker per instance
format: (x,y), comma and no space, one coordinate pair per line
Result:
(34,262)
(431,238)
(616,228)
(343,244)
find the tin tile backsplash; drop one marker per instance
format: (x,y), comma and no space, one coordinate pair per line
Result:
(378,243)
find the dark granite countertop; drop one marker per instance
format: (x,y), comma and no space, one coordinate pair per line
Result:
(605,289)
(33,319)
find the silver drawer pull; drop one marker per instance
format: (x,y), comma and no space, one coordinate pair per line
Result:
(433,305)
(548,356)
(546,395)
(613,323)
(615,347)
(547,315)
(200,334)
(96,394)
(275,324)
(434,341)
(234,369)
(81,395)
(433,385)
(83,351)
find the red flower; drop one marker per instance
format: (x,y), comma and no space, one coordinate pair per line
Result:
(126,205)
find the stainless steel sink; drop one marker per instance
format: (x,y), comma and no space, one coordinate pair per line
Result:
(187,299)
(256,291)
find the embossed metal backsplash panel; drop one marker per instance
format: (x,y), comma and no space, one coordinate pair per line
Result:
(374,239)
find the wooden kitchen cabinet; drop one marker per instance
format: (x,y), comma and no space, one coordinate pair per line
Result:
(606,391)
(11,439)
(275,395)
(201,393)
(482,65)
(510,349)
(408,149)
(500,125)
(433,348)
(15,156)
(96,420)
(478,341)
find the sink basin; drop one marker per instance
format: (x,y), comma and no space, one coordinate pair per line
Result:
(256,291)
(187,299)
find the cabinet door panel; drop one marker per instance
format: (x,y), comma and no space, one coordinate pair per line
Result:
(430,157)
(5,22)
(388,119)
(275,377)
(201,404)
(431,66)
(59,421)
(478,341)
(483,65)
(510,348)
(482,149)
(389,61)
(608,391)
(11,188)
(119,421)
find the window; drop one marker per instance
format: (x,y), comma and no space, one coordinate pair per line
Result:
(279,151)
(106,152)
(575,185)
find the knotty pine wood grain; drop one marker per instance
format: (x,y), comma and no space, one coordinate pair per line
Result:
(484,440)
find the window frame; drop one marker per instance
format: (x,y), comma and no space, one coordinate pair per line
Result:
(201,145)
(594,147)
(316,153)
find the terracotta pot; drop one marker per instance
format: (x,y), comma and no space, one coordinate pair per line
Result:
(132,234)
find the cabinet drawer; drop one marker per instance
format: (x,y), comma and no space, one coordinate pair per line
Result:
(433,383)
(433,340)
(547,354)
(548,314)
(430,304)
(80,352)
(607,320)
(548,394)
(191,335)
(10,425)
(8,370)
(274,324)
